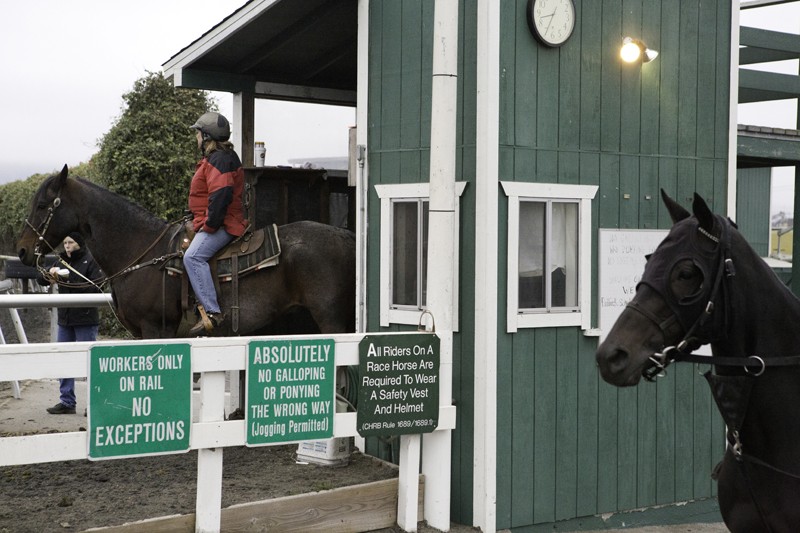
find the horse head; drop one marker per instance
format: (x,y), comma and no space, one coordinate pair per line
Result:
(675,299)
(46,224)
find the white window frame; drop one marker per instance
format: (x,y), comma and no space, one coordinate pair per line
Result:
(408,191)
(515,191)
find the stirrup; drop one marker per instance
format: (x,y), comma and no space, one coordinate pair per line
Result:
(208,325)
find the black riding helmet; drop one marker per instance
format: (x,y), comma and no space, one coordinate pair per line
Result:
(213,126)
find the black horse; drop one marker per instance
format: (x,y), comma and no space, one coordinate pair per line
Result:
(316,270)
(705,284)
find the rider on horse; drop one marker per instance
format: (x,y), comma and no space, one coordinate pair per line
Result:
(216,203)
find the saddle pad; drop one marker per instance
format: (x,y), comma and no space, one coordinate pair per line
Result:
(255,250)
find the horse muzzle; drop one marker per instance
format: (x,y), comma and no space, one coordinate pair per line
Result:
(617,366)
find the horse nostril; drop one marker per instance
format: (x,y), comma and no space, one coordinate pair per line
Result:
(616,360)
(22,253)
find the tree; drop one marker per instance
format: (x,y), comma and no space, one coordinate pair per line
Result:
(150,153)
(15,204)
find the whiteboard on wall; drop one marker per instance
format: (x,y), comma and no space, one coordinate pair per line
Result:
(620,266)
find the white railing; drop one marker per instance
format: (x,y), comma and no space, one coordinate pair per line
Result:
(210,433)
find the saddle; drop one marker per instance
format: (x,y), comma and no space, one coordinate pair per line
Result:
(253,251)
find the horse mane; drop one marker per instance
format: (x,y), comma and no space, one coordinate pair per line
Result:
(130,208)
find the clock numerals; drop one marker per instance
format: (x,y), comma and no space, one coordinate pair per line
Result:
(551,21)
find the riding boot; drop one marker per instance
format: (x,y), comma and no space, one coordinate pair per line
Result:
(207,323)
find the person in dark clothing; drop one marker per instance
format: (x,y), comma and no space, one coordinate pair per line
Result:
(216,203)
(76,268)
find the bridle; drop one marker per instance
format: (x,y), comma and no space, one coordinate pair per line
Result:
(42,229)
(710,325)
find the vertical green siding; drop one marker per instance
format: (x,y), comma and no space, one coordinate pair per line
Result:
(568,444)
(577,115)
(752,207)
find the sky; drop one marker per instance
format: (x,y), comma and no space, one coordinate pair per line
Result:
(66,64)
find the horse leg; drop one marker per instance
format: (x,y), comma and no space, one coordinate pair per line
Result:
(333,322)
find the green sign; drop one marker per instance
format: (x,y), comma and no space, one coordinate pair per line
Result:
(140,400)
(290,391)
(398,388)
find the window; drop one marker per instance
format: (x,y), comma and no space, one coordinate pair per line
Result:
(404,252)
(409,253)
(549,255)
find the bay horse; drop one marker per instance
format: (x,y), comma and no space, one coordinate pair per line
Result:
(316,270)
(704,284)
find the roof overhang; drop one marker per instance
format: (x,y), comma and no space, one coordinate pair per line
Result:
(767,147)
(278,49)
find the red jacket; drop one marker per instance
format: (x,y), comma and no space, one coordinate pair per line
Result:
(215,194)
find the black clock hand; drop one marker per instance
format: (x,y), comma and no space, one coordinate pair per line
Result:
(552,16)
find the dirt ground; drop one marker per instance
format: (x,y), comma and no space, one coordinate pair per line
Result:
(77,495)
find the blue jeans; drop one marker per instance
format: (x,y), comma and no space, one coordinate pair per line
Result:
(195,259)
(73,334)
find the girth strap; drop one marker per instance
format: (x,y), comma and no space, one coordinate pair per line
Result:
(235,292)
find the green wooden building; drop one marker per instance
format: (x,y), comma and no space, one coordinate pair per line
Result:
(557,147)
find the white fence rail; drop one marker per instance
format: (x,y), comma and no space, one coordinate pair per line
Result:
(210,432)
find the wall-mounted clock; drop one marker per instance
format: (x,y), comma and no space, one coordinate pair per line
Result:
(551,21)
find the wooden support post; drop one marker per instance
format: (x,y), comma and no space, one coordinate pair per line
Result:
(209,460)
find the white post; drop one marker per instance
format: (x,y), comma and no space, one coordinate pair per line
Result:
(484,513)
(5,286)
(441,276)
(408,484)
(208,514)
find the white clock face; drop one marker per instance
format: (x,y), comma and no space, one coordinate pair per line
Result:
(552,20)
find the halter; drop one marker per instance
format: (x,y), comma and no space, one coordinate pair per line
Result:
(708,326)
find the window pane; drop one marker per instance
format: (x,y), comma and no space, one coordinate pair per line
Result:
(404,253)
(425,210)
(564,255)
(532,229)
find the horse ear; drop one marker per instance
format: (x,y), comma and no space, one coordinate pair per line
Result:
(703,213)
(62,177)
(676,212)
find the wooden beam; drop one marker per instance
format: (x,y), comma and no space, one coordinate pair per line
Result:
(770,40)
(751,55)
(763,3)
(364,507)
(215,81)
(759,86)
(773,149)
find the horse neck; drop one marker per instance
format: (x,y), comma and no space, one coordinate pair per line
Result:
(117,230)
(762,310)
(763,315)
